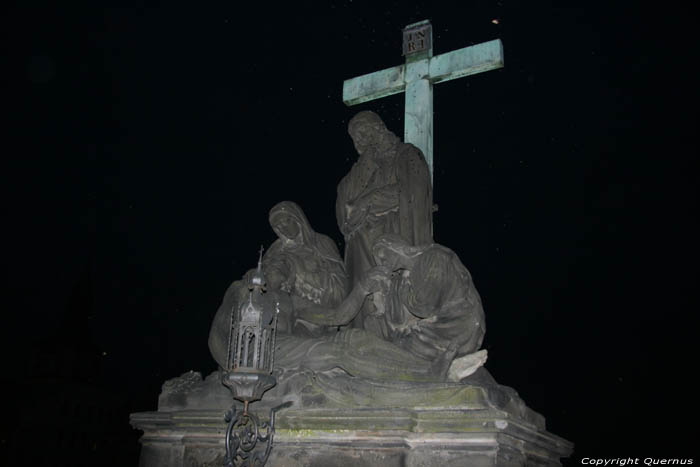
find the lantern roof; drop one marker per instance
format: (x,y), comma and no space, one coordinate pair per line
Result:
(257,279)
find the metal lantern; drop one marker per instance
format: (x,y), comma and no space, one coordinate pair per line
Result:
(251,342)
(248,372)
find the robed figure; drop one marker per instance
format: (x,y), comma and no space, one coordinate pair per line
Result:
(388,190)
(303,262)
(303,269)
(429,301)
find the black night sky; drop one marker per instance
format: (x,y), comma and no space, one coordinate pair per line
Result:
(145,144)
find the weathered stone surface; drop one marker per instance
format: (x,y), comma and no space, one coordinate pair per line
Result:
(475,436)
(364,346)
(329,390)
(383,424)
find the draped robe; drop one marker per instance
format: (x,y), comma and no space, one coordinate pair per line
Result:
(433,304)
(400,202)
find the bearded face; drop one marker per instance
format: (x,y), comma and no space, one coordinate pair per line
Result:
(363,137)
(373,140)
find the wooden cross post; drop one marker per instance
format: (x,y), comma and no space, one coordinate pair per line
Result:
(416,78)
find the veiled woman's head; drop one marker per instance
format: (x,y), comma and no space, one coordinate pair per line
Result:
(288,221)
(286,227)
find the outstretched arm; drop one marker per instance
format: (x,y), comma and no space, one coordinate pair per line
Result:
(340,316)
(348,309)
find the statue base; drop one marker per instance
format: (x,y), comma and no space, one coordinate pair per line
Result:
(476,426)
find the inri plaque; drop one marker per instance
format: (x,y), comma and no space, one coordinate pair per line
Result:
(417,39)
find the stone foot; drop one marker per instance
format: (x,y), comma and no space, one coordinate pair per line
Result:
(465,366)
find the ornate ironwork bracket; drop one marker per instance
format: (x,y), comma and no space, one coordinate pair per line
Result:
(243,433)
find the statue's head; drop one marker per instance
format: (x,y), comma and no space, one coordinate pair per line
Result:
(367,130)
(286,227)
(392,251)
(285,219)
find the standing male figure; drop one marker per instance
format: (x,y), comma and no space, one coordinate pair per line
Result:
(388,190)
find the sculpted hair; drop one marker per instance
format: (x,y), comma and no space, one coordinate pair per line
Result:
(396,243)
(366,117)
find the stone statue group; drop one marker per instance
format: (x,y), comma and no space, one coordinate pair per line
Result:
(397,307)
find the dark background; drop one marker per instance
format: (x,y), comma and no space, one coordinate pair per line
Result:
(145,144)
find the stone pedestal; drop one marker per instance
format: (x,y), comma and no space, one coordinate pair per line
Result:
(477,426)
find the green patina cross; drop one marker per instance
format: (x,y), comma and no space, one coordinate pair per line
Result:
(416,78)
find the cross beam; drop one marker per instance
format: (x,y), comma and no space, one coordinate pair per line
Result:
(416,78)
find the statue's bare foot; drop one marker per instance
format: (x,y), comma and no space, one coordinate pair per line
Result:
(441,365)
(465,366)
